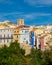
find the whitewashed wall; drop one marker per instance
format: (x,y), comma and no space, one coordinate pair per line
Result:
(24,36)
(6,35)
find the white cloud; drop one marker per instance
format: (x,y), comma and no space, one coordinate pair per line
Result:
(2,1)
(6,1)
(34,15)
(11,13)
(17,15)
(39,2)
(47,2)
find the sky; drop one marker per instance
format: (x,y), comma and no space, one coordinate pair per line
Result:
(34,12)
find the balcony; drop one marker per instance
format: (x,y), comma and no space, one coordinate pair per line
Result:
(6,37)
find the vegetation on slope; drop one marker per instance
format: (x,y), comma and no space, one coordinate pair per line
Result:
(14,55)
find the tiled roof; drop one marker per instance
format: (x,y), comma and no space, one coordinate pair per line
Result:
(21,26)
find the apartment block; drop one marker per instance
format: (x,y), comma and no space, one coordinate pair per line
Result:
(6,35)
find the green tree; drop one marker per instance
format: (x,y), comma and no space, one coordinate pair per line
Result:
(47,57)
(35,57)
(38,57)
(12,55)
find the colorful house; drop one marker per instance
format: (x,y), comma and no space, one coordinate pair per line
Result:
(24,35)
(42,41)
(16,35)
(32,38)
(6,35)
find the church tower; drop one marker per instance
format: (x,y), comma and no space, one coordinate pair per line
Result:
(21,22)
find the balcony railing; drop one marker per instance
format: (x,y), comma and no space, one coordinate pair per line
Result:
(6,37)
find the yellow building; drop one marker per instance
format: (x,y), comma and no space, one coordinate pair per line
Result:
(19,34)
(39,30)
(16,35)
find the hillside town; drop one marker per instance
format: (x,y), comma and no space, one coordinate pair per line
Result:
(39,37)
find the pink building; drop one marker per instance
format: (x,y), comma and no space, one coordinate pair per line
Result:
(41,41)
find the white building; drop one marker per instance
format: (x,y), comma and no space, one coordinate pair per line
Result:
(48,28)
(24,35)
(6,35)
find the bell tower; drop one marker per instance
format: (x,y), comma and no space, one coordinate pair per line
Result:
(20,22)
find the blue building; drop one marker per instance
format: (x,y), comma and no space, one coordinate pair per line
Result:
(32,38)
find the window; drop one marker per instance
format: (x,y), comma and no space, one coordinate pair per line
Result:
(39,46)
(23,41)
(26,31)
(17,31)
(4,35)
(4,40)
(12,36)
(22,31)
(17,36)
(1,30)
(14,31)
(21,22)
(8,29)
(0,36)
(0,40)
(4,30)
(7,40)
(27,42)
(8,35)
(24,38)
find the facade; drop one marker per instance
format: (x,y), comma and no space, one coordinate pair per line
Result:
(39,30)
(48,40)
(24,35)
(41,46)
(16,35)
(48,29)
(40,43)
(7,23)
(20,25)
(32,38)
(21,32)
(43,41)
(6,35)
(27,36)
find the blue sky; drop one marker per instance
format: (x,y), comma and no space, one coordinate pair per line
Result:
(34,12)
